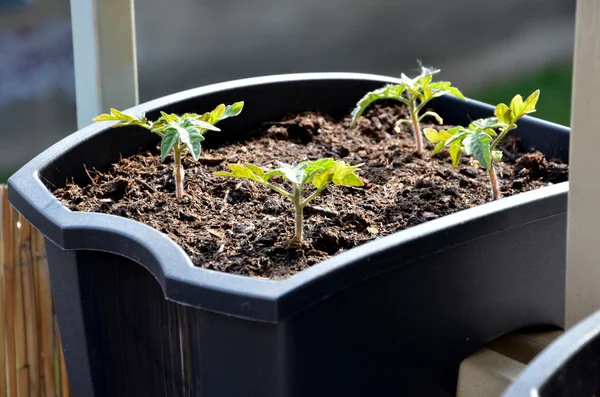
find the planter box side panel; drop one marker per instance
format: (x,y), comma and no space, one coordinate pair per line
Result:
(136,343)
(412,333)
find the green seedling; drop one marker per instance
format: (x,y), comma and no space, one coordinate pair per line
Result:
(319,173)
(415,94)
(481,138)
(179,134)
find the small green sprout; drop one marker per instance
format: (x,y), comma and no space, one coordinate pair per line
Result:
(319,173)
(415,94)
(480,139)
(178,133)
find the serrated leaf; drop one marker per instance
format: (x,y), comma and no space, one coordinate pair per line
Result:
(388,92)
(169,140)
(478,146)
(232,110)
(195,146)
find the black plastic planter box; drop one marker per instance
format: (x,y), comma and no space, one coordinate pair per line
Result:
(392,317)
(569,367)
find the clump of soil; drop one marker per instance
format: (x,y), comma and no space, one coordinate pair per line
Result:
(241,227)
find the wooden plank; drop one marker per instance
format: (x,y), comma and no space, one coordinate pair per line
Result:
(29,305)
(3,323)
(19,324)
(9,297)
(104,55)
(583,230)
(46,322)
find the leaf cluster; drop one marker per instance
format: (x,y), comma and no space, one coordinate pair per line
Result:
(185,132)
(480,138)
(414,93)
(319,173)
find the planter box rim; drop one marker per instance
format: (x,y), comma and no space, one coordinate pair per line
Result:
(240,296)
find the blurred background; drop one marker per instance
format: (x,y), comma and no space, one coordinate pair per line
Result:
(490,50)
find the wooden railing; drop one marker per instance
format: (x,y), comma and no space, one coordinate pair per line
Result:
(31,356)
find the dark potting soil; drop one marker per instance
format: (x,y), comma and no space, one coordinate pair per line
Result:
(241,227)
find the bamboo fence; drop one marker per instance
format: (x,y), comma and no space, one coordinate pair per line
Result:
(31,359)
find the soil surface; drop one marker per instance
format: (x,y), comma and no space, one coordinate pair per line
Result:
(241,227)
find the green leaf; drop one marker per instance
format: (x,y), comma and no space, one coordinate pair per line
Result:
(169,139)
(436,136)
(414,92)
(204,125)
(516,106)
(438,148)
(530,102)
(256,170)
(217,113)
(195,146)
(290,172)
(184,135)
(124,118)
(478,146)
(270,174)
(425,80)
(487,125)
(323,179)
(344,174)
(437,117)
(239,171)
(388,92)
(349,180)
(456,92)
(169,118)
(440,85)
(503,114)
(455,152)
(458,134)
(232,110)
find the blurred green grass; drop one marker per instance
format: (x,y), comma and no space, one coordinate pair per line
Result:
(4,176)
(554,83)
(554,104)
